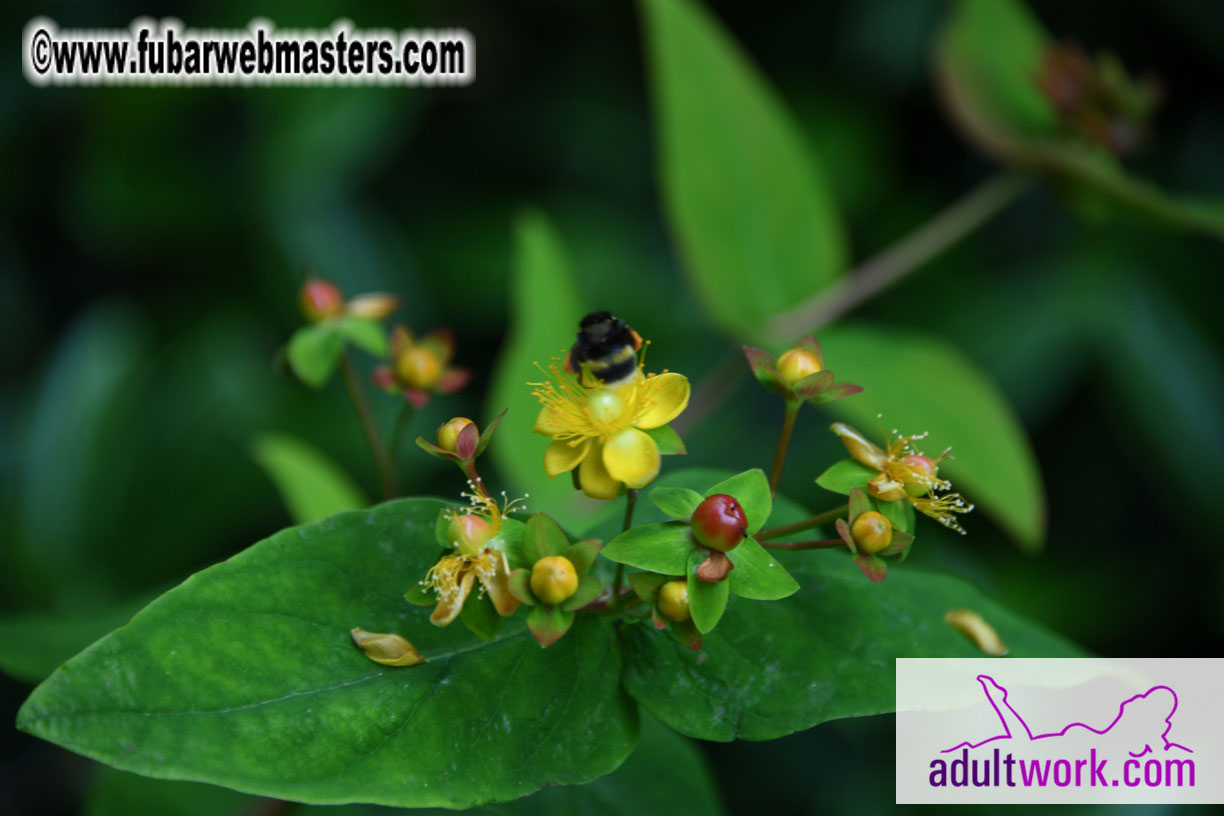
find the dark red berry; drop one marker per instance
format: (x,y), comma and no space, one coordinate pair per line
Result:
(719,523)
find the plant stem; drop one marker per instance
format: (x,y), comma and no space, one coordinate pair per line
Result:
(619,581)
(863,282)
(822,544)
(381,460)
(952,224)
(469,470)
(800,526)
(401,424)
(788,425)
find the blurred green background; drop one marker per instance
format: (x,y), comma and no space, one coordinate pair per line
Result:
(153,241)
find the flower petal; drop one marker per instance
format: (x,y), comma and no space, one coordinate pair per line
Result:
(661,399)
(632,457)
(594,478)
(449,608)
(863,450)
(550,422)
(562,457)
(498,587)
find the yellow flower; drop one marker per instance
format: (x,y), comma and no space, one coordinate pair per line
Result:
(477,559)
(601,430)
(906,473)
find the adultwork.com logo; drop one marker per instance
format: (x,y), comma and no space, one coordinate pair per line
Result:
(1060,731)
(1134,749)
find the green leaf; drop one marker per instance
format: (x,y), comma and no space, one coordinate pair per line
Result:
(245,676)
(311,485)
(826,652)
(545,310)
(919,383)
(34,644)
(988,58)
(746,199)
(314,352)
(589,588)
(707,602)
(114,793)
(662,548)
(677,502)
(481,618)
(751,489)
(757,575)
(549,623)
(900,513)
(636,788)
(669,442)
(368,335)
(543,538)
(582,555)
(844,476)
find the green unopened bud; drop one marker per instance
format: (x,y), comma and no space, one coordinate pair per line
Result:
(448,434)
(554,579)
(797,363)
(674,601)
(871,532)
(387,649)
(469,533)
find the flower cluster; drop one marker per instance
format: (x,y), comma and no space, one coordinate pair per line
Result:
(904,472)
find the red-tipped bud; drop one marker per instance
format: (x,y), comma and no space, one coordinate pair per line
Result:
(798,363)
(448,434)
(871,532)
(469,533)
(320,299)
(554,579)
(674,601)
(719,523)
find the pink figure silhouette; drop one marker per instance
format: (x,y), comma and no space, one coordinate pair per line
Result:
(1141,721)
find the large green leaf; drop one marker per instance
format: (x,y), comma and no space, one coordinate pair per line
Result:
(771,668)
(919,383)
(988,60)
(545,310)
(666,774)
(311,485)
(245,676)
(746,199)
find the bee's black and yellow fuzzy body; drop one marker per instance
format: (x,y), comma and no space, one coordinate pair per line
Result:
(606,347)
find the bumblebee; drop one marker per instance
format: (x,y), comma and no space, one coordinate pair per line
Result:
(607,348)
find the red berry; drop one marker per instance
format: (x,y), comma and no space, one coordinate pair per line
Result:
(719,523)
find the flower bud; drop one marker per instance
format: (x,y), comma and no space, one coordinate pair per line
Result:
(674,601)
(719,523)
(871,532)
(320,299)
(418,368)
(448,434)
(798,363)
(469,533)
(554,579)
(924,468)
